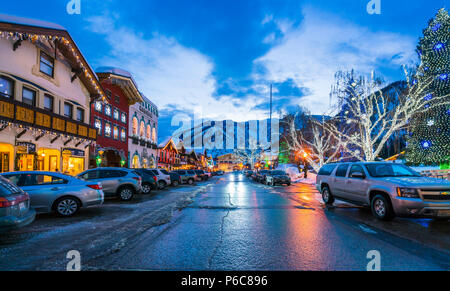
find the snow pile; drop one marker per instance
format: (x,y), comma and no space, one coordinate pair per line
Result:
(311,180)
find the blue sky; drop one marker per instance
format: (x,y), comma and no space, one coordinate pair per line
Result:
(219,57)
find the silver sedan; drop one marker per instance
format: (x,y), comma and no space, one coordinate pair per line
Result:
(50,191)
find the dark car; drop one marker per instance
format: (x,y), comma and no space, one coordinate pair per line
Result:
(15,208)
(202,174)
(149,180)
(175,178)
(277,177)
(248,173)
(186,178)
(261,176)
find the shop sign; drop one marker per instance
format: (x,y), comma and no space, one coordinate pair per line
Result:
(73,152)
(26,147)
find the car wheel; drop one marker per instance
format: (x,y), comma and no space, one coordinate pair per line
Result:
(67,206)
(288,184)
(146,188)
(162,184)
(126,193)
(382,208)
(190,181)
(327,197)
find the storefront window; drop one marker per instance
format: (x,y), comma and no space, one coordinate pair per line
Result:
(25,155)
(48,160)
(145,163)
(6,157)
(124,118)
(72,162)
(135,162)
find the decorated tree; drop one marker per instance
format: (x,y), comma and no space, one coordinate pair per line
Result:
(429,130)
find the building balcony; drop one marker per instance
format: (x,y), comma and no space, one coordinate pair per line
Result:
(23,114)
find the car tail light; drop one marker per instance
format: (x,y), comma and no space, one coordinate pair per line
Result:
(155,178)
(137,178)
(8,203)
(95,187)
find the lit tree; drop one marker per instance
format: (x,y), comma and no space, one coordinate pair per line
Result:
(251,155)
(371,115)
(429,131)
(314,143)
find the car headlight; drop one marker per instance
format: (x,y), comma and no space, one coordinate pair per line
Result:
(408,193)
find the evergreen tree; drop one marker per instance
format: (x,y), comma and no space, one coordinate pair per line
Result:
(429,132)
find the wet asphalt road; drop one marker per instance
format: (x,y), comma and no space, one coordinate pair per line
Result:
(227,223)
(237,224)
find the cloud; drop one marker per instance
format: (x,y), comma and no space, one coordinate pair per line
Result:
(169,73)
(310,54)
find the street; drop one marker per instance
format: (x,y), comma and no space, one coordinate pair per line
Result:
(227,223)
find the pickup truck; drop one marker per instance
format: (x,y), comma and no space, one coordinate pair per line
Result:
(389,189)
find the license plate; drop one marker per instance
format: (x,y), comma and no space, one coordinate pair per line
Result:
(444,212)
(22,206)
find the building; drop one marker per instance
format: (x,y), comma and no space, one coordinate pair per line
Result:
(46,88)
(111,118)
(228,163)
(168,154)
(143,132)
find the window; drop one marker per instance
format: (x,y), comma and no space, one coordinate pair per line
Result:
(108,94)
(142,129)
(91,175)
(6,87)
(47,64)
(390,170)
(108,110)
(108,129)
(355,169)
(98,106)
(116,114)
(15,179)
(116,132)
(48,102)
(68,110)
(98,125)
(123,134)
(327,170)
(28,96)
(117,99)
(149,131)
(80,115)
(135,126)
(124,118)
(342,170)
(33,179)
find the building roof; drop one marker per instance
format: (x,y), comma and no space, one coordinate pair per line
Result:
(34,30)
(123,79)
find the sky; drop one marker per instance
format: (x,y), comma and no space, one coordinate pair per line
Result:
(218,58)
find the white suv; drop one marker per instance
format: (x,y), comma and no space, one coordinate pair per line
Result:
(163,178)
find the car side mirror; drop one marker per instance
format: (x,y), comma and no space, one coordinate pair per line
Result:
(358,175)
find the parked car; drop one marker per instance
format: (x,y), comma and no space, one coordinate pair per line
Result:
(219,173)
(51,191)
(15,211)
(175,179)
(261,176)
(277,177)
(196,176)
(149,180)
(249,173)
(120,182)
(163,178)
(202,174)
(186,178)
(388,189)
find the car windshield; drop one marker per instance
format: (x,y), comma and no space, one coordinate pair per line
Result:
(279,173)
(390,170)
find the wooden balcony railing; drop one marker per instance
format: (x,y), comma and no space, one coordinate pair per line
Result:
(24,114)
